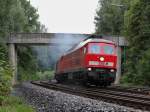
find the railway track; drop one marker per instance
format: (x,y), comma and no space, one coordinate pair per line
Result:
(140,90)
(126,98)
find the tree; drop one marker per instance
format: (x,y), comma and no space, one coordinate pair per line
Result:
(16,16)
(137,27)
(109,18)
(133,23)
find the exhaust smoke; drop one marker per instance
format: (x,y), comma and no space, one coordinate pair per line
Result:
(47,56)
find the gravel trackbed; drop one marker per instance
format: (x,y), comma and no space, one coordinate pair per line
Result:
(46,100)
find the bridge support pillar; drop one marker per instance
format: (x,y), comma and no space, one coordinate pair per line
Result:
(118,73)
(13,61)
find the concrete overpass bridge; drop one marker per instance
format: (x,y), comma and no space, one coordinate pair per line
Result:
(53,39)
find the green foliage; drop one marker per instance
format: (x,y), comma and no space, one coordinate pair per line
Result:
(137,30)
(39,75)
(5,76)
(14,104)
(20,16)
(132,21)
(109,19)
(45,75)
(27,62)
(16,16)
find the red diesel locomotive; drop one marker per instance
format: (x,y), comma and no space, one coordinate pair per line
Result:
(93,61)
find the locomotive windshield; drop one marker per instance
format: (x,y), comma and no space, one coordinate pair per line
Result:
(101,48)
(94,49)
(108,49)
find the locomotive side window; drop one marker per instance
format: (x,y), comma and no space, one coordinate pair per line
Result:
(108,49)
(84,50)
(94,49)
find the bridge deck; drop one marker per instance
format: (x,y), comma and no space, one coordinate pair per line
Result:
(56,38)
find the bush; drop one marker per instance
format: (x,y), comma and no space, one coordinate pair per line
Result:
(5,78)
(142,75)
(45,75)
(39,75)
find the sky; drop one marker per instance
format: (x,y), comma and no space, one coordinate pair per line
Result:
(67,16)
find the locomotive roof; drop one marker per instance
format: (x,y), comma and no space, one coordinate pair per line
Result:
(97,40)
(81,44)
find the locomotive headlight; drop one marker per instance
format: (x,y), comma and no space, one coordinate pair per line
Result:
(89,69)
(112,70)
(101,58)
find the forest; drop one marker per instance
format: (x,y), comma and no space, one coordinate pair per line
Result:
(131,19)
(128,18)
(16,16)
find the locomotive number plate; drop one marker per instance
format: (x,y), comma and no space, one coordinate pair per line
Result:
(101,63)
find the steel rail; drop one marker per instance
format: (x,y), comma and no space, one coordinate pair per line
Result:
(140,90)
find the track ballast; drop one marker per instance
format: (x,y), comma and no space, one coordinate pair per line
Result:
(126,98)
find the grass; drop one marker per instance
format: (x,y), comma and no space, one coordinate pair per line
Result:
(45,75)
(39,75)
(15,104)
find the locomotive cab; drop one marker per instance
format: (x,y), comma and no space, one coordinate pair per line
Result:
(100,62)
